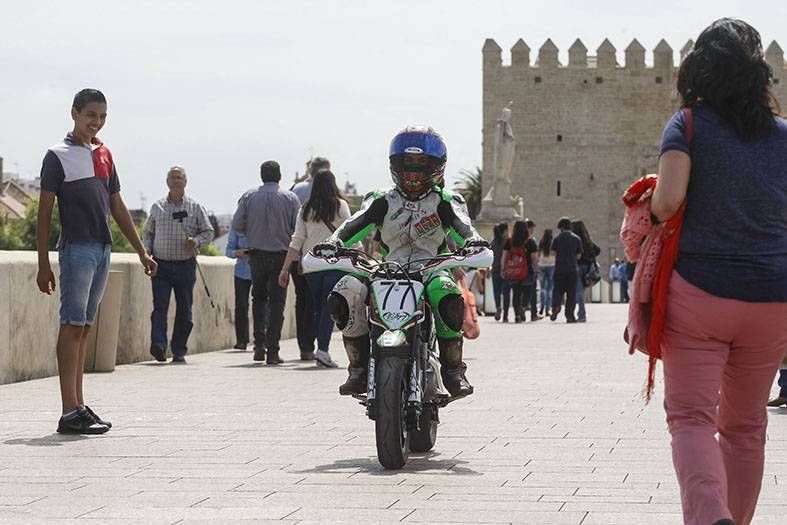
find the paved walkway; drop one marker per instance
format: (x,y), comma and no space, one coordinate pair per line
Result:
(556,433)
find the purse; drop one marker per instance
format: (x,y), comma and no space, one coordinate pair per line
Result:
(593,275)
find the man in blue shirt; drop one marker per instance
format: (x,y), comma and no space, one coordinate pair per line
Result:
(267,215)
(237,249)
(782,399)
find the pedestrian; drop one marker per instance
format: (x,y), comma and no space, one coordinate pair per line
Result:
(318,218)
(590,251)
(781,399)
(567,249)
(546,270)
(267,216)
(238,250)
(519,259)
(304,307)
(501,288)
(533,285)
(614,274)
(176,228)
(724,337)
(80,172)
(623,270)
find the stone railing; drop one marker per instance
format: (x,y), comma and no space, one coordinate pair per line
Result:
(29,320)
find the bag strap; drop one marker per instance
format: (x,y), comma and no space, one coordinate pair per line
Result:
(329,225)
(688,120)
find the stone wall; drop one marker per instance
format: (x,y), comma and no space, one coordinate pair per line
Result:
(593,126)
(29,320)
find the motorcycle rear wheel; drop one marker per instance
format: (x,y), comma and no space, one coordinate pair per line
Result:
(391,435)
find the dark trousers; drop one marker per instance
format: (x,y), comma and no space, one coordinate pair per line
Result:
(321,284)
(524,295)
(177,276)
(502,291)
(268,298)
(624,290)
(565,284)
(304,311)
(783,383)
(242,289)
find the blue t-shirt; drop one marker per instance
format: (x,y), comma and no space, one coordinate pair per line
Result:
(734,239)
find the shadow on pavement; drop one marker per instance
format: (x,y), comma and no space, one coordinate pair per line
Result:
(417,462)
(52,440)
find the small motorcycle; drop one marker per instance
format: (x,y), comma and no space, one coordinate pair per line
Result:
(405,388)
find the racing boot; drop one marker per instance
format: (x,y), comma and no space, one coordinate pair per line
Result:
(453,368)
(357,349)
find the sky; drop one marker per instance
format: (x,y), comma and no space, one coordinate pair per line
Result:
(220,87)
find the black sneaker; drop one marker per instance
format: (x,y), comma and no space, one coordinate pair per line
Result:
(178,360)
(80,423)
(158,353)
(98,419)
(259,354)
(240,346)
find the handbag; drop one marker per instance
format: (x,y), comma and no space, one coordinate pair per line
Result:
(592,275)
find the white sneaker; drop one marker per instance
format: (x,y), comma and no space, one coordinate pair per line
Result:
(324,358)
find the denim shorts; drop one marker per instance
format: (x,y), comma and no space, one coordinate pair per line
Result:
(84,268)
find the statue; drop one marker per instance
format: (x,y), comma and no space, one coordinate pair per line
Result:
(499,204)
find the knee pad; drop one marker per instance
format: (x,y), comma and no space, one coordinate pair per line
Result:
(452,311)
(347,303)
(339,309)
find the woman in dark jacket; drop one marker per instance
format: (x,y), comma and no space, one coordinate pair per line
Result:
(500,287)
(589,253)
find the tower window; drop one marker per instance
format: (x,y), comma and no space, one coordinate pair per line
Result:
(659,80)
(537,80)
(560,138)
(775,80)
(599,80)
(558,188)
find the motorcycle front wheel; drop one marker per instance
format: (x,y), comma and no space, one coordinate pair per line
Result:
(424,439)
(393,439)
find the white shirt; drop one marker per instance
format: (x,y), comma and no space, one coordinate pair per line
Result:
(310,233)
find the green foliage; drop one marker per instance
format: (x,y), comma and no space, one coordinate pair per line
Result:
(209,249)
(119,242)
(9,239)
(469,187)
(22,233)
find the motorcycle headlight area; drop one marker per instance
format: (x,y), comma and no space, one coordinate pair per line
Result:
(392,338)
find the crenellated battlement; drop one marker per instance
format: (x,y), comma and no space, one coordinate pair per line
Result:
(547,56)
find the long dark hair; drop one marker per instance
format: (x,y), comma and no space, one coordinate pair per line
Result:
(545,244)
(500,231)
(581,230)
(323,203)
(726,70)
(519,234)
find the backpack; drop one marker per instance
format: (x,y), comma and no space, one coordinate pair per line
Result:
(516,264)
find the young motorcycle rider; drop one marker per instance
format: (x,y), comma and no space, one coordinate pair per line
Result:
(414,220)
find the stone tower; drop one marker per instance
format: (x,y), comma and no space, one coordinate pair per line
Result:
(587,129)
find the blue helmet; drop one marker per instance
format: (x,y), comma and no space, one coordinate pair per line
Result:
(418,156)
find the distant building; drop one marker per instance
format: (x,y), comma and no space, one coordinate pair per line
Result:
(14,198)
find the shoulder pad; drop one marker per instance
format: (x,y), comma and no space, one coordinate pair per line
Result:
(373,195)
(448,196)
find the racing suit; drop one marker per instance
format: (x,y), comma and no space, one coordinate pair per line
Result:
(408,231)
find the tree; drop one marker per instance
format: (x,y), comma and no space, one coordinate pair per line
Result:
(469,187)
(9,239)
(25,229)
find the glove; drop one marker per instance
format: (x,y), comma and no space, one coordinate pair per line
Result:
(476,243)
(326,249)
(472,246)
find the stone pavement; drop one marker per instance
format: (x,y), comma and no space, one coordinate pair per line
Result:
(556,433)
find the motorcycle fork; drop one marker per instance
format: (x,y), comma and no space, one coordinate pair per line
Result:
(416,391)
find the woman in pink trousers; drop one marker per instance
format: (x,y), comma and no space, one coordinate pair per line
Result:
(726,320)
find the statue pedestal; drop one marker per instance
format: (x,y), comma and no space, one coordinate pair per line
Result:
(494,212)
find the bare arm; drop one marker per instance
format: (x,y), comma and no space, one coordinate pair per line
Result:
(121,215)
(284,274)
(674,168)
(45,278)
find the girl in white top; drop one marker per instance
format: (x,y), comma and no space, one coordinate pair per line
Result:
(546,270)
(325,210)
